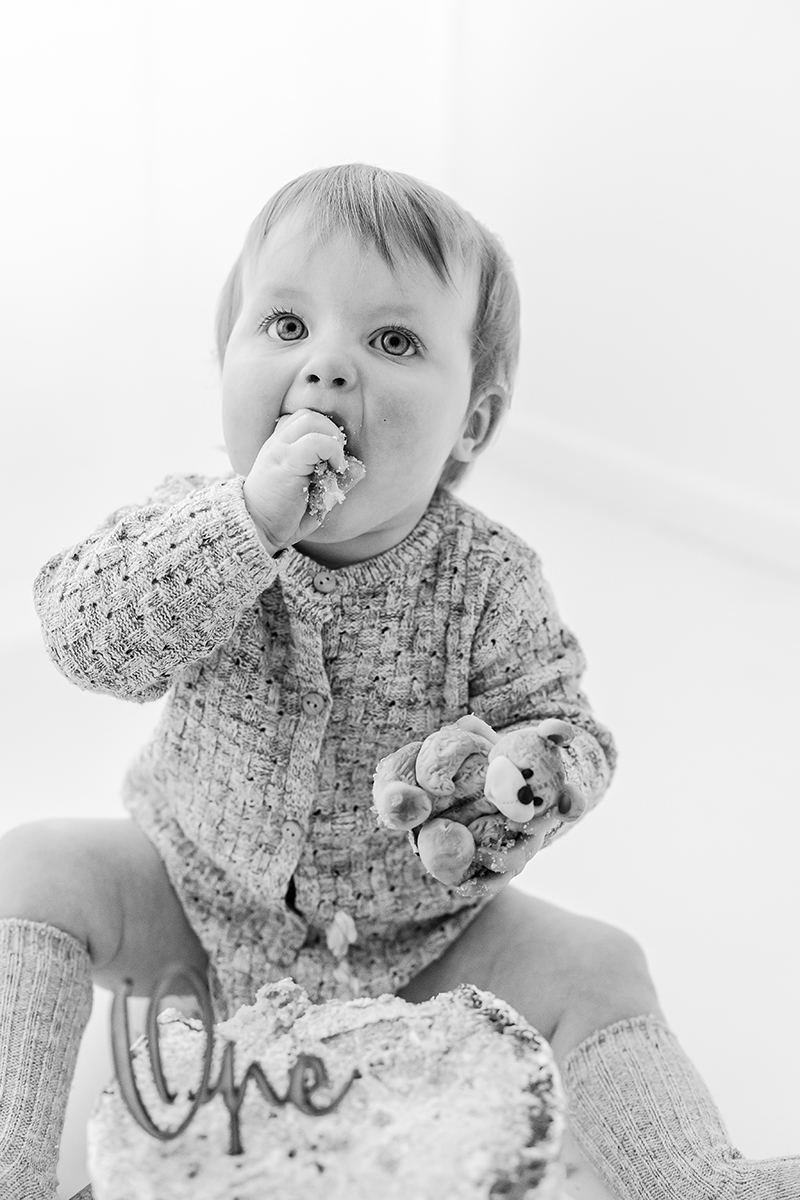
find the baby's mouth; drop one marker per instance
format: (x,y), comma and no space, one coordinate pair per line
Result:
(350,447)
(338,422)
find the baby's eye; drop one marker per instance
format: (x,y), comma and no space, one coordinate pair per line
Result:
(285,325)
(400,343)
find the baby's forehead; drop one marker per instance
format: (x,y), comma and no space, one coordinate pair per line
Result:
(392,265)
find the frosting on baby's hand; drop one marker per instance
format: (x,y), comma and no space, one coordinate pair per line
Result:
(328,487)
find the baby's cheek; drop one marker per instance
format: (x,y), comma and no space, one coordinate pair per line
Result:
(397,422)
(411,446)
(241,440)
(249,413)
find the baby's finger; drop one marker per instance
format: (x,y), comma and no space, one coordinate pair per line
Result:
(309,523)
(513,860)
(293,427)
(302,455)
(519,855)
(484,885)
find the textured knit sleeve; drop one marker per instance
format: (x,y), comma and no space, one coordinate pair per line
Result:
(526,666)
(157,587)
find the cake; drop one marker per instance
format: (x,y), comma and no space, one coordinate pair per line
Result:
(456,1098)
(327,487)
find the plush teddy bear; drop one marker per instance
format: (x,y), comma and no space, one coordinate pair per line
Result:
(467,795)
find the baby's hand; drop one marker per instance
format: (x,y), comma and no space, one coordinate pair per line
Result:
(496,865)
(276,489)
(478,806)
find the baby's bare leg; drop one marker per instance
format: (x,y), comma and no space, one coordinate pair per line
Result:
(569,975)
(102,882)
(79,900)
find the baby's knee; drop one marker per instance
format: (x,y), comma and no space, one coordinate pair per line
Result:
(609,981)
(607,960)
(47,874)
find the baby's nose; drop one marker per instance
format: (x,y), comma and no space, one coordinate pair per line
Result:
(331,380)
(330,371)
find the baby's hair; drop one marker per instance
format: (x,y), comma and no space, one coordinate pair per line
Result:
(401,217)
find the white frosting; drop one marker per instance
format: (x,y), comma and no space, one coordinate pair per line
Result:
(446,1104)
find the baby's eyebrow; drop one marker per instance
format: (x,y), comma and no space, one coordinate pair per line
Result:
(376,313)
(286,292)
(407,312)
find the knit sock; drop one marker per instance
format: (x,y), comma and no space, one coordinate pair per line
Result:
(45,1002)
(645,1120)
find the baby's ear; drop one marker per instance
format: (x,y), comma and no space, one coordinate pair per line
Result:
(485,411)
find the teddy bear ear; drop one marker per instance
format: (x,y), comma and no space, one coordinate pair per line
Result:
(571,802)
(559,732)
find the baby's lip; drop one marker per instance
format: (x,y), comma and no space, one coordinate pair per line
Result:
(338,422)
(350,448)
(351,451)
(336,418)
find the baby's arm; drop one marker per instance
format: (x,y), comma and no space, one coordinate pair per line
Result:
(524,691)
(527,667)
(158,586)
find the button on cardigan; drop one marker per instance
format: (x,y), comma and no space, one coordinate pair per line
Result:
(255,787)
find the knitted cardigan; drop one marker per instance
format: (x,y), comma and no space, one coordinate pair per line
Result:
(286,683)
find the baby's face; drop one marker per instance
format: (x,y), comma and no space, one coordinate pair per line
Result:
(385,353)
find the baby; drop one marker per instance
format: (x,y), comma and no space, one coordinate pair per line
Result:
(368,318)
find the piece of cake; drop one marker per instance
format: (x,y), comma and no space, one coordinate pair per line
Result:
(454,1099)
(327,488)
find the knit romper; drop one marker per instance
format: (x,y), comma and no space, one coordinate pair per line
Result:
(285,683)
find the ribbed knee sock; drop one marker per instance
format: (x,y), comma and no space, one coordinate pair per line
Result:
(45,1002)
(645,1120)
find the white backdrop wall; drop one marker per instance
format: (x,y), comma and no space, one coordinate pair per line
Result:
(640,160)
(142,140)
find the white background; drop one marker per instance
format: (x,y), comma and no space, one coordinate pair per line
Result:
(640,160)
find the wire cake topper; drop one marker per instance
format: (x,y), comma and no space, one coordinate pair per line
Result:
(307,1075)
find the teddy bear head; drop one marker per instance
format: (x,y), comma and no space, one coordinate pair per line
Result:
(525,776)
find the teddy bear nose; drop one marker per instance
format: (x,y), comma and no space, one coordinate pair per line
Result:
(525,795)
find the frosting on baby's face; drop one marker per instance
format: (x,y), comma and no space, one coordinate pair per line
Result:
(383,351)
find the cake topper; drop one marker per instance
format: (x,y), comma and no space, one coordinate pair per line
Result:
(306,1076)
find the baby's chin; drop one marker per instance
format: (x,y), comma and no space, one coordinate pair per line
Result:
(349,533)
(341,540)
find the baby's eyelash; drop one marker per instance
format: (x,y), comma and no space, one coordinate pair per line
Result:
(412,337)
(274,314)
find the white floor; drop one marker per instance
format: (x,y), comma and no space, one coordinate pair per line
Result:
(693,662)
